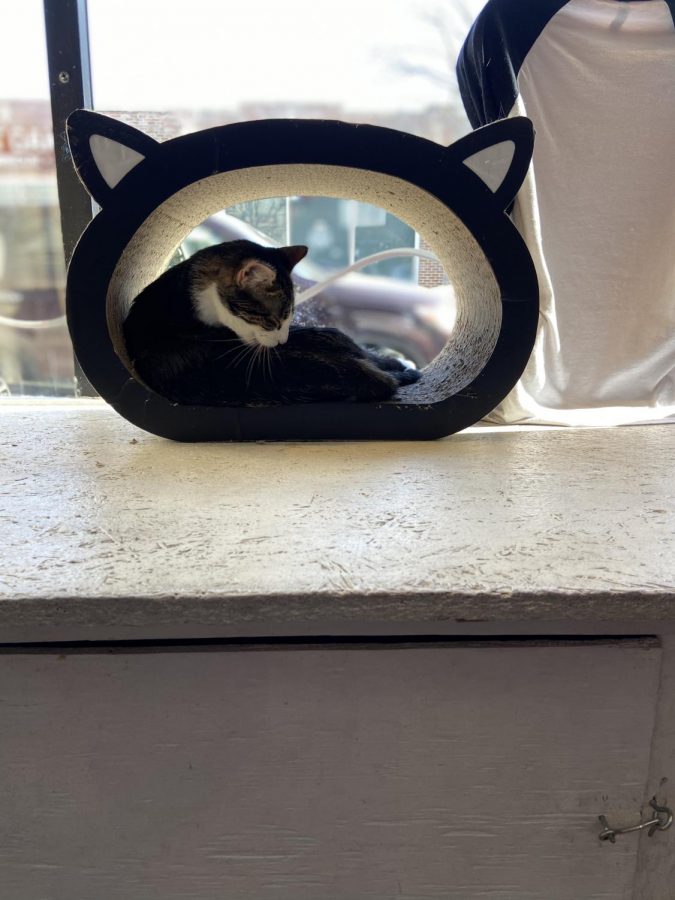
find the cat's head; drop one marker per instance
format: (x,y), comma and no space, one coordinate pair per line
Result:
(247,288)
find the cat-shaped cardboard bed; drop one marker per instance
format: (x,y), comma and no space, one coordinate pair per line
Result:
(153,194)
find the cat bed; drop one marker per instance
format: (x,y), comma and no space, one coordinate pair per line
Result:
(153,194)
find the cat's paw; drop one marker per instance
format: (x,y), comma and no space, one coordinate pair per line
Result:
(383,361)
(407,375)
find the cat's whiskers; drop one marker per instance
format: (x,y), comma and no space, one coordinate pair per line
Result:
(260,358)
(247,354)
(253,360)
(243,348)
(248,365)
(267,362)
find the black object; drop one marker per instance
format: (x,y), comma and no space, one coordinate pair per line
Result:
(153,194)
(67,42)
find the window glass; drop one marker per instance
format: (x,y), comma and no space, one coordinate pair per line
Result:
(210,62)
(35,352)
(213,62)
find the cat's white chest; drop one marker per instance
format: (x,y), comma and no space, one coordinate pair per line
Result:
(211,311)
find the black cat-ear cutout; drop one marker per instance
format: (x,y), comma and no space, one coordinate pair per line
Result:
(499,154)
(104,150)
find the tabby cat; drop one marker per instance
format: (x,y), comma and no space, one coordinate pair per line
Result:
(216,330)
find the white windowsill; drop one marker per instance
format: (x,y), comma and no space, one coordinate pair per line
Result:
(109,531)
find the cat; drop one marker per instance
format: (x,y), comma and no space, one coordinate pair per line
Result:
(216,329)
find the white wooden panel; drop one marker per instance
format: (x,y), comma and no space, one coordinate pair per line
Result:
(458,772)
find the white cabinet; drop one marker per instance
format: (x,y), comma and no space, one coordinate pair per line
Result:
(457,771)
(332,772)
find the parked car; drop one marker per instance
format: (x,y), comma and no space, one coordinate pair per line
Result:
(386,313)
(34,359)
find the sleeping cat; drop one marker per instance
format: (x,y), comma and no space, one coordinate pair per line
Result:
(216,330)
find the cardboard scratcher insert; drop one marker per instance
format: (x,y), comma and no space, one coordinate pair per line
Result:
(153,194)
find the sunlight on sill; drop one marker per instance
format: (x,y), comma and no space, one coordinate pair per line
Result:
(51,404)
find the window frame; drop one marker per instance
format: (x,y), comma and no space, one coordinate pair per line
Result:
(67,42)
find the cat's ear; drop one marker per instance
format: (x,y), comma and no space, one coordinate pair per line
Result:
(293,255)
(499,154)
(253,274)
(104,150)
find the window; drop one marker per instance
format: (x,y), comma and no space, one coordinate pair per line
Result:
(357,60)
(35,353)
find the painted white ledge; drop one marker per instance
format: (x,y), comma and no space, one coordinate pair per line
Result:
(110,532)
